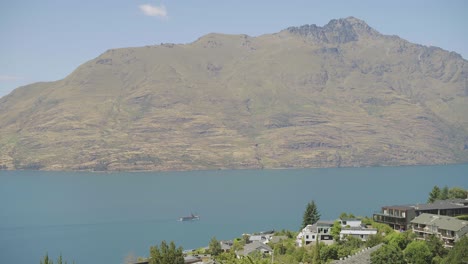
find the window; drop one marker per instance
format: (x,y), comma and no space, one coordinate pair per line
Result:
(307,236)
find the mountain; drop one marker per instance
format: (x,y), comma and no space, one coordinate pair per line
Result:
(338,95)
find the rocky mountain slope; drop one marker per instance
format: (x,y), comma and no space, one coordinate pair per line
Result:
(338,95)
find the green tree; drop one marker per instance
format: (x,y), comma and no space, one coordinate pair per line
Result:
(60,259)
(165,254)
(311,215)
(46,260)
(387,254)
(434,194)
(458,254)
(400,239)
(444,193)
(328,253)
(457,193)
(347,216)
(317,253)
(335,230)
(436,246)
(215,247)
(374,240)
(417,252)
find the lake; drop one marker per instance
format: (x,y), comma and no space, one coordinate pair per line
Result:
(104,217)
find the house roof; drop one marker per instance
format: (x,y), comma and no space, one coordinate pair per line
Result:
(358,231)
(441,221)
(399,207)
(444,204)
(249,248)
(277,239)
(350,219)
(191,259)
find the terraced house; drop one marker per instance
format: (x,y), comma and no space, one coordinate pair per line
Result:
(399,216)
(448,229)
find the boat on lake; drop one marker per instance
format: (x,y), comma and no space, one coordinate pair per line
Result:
(191,217)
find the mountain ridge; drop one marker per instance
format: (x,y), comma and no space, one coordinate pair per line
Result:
(338,95)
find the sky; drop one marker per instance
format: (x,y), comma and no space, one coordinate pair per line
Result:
(46,40)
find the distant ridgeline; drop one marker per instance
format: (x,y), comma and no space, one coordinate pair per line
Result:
(309,96)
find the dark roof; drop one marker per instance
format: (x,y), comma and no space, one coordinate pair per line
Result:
(438,205)
(399,207)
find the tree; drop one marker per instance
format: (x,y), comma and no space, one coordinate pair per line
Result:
(434,194)
(444,193)
(374,240)
(60,259)
(400,239)
(46,260)
(335,230)
(311,215)
(436,246)
(166,254)
(458,254)
(347,216)
(387,254)
(215,247)
(328,252)
(457,193)
(417,252)
(317,253)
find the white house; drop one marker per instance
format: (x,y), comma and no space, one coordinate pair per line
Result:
(310,233)
(362,233)
(355,228)
(351,222)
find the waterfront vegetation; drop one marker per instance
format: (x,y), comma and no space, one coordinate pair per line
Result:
(445,193)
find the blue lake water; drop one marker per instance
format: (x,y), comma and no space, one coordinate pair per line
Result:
(103,217)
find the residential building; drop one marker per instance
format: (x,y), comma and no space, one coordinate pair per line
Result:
(355,228)
(448,229)
(360,232)
(400,216)
(263,237)
(255,246)
(453,207)
(350,222)
(226,245)
(396,216)
(310,233)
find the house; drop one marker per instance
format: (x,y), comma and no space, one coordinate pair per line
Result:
(355,228)
(397,217)
(360,232)
(351,222)
(447,228)
(400,216)
(192,260)
(226,245)
(452,207)
(310,233)
(255,246)
(263,237)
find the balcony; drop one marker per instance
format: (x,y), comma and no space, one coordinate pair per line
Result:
(389,215)
(390,219)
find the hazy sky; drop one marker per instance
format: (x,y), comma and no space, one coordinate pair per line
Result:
(46,40)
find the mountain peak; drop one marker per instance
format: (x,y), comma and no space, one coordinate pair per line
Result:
(337,31)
